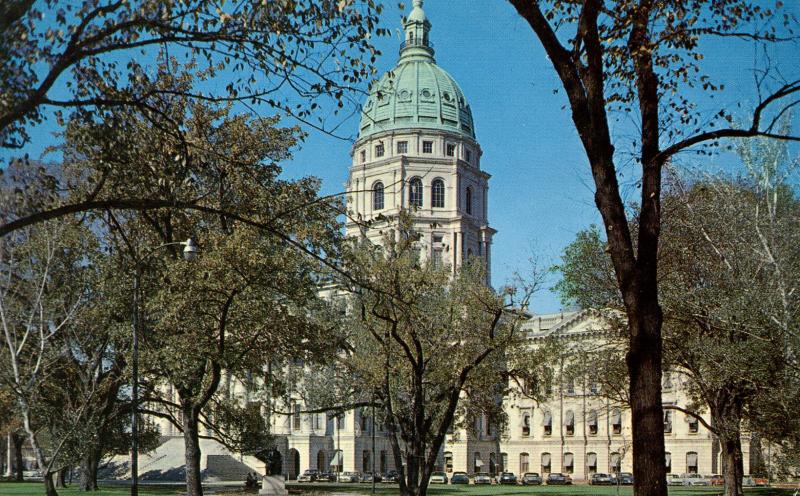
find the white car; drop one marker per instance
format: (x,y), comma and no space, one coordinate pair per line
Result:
(674,480)
(695,480)
(438,478)
(349,477)
(482,478)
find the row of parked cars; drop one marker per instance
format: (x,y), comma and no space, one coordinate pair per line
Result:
(711,480)
(527,479)
(601,479)
(313,475)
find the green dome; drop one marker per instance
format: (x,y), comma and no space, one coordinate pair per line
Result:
(417,94)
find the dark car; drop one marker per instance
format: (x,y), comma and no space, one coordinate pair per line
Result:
(624,478)
(557,478)
(531,479)
(507,478)
(459,478)
(391,476)
(368,477)
(326,477)
(601,480)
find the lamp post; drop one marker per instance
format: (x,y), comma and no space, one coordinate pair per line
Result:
(189,253)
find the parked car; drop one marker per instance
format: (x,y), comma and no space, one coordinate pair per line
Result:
(482,478)
(624,478)
(368,477)
(326,477)
(531,479)
(309,475)
(438,478)
(761,481)
(716,480)
(391,476)
(459,478)
(599,479)
(695,480)
(349,477)
(507,478)
(674,480)
(556,478)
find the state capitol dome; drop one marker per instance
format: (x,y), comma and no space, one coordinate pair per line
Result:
(417,93)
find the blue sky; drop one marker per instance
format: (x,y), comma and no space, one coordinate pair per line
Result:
(541,192)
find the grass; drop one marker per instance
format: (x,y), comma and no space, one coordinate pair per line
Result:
(36,489)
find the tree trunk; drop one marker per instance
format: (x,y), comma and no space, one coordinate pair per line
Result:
(191,440)
(18,465)
(732,465)
(61,477)
(644,367)
(88,470)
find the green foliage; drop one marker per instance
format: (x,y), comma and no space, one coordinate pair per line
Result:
(424,343)
(102,54)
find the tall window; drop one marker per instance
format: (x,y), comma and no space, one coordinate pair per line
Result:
(340,422)
(437,193)
(591,462)
(523,463)
(668,461)
(616,463)
(427,147)
(379,150)
(448,461)
(377,196)
(545,463)
(450,149)
(691,462)
(548,423)
(694,425)
(469,156)
(569,423)
(592,421)
(402,147)
(478,462)
(569,463)
(415,192)
(468,201)
(363,156)
(526,424)
(616,422)
(437,257)
(296,417)
(383,461)
(570,386)
(667,421)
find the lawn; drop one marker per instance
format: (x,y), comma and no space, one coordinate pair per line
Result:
(36,489)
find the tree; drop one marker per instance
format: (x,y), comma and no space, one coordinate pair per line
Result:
(641,57)
(42,288)
(90,59)
(723,327)
(247,301)
(425,346)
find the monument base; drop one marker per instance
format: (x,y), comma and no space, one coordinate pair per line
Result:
(273,486)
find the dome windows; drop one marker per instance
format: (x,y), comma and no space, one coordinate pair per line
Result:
(377,196)
(402,147)
(379,150)
(415,192)
(437,193)
(427,147)
(450,149)
(426,95)
(404,96)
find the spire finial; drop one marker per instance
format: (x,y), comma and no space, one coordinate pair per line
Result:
(418,3)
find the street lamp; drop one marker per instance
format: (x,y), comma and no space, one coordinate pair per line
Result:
(189,253)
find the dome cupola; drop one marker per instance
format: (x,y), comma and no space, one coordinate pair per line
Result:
(417,93)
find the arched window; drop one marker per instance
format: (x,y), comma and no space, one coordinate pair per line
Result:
(524,465)
(437,193)
(468,201)
(377,196)
(415,192)
(545,463)
(591,462)
(569,422)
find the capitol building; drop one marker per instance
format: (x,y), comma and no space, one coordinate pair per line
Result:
(417,150)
